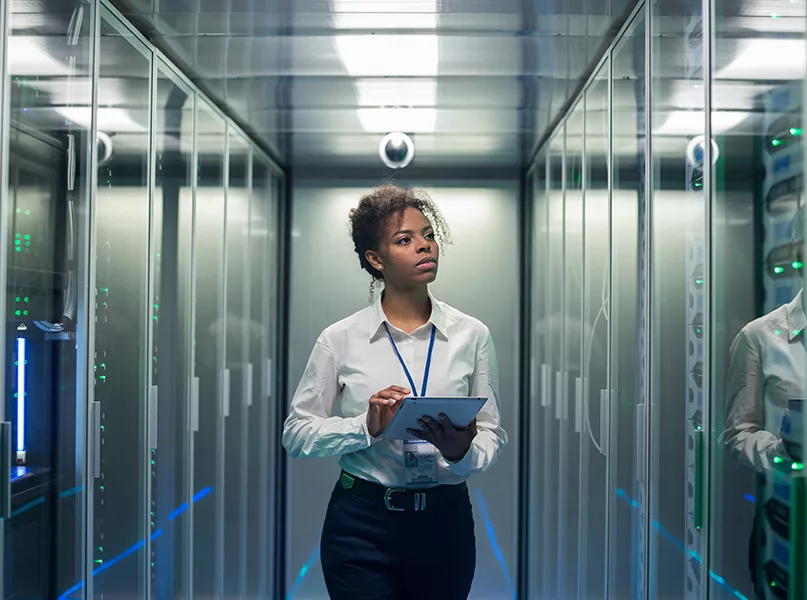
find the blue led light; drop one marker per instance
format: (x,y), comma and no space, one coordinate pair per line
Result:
(20,394)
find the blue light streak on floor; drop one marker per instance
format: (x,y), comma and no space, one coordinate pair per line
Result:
(675,542)
(494,544)
(303,572)
(138,546)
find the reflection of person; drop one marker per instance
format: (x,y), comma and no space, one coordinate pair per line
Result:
(385,537)
(766,372)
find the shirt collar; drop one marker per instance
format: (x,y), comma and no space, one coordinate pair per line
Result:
(378,318)
(796,319)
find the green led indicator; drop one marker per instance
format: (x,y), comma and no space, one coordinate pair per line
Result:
(797,466)
(18,299)
(699,281)
(776,143)
(156,306)
(27,243)
(17,242)
(27,212)
(18,249)
(98,561)
(777,331)
(699,330)
(25,299)
(27,237)
(795,131)
(777,459)
(797,264)
(18,313)
(19,210)
(778,270)
(25,312)
(18,236)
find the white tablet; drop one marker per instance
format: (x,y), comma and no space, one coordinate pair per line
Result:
(461,410)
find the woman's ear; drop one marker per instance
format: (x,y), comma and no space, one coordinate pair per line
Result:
(374,258)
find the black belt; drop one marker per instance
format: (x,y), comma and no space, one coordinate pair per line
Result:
(403,499)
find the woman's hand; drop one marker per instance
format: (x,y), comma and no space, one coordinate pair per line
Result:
(452,443)
(383,406)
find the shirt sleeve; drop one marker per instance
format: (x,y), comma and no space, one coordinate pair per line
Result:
(744,432)
(312,430)
(490,437)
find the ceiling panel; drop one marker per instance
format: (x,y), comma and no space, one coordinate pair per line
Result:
(321,81)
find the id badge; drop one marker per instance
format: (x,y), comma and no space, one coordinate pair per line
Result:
(420,459)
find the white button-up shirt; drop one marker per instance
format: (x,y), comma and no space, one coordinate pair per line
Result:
(767,370)
(354,359)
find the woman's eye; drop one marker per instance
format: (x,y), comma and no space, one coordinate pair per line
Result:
(402,241)
(429,236)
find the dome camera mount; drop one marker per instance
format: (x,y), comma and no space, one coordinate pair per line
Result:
(396,150)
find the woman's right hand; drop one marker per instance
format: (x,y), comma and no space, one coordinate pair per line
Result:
(383,406)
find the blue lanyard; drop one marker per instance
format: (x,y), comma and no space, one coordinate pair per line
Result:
(403,364)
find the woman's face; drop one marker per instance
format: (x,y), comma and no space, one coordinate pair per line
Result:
(408,252)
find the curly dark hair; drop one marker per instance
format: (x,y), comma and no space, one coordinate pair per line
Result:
(368,219)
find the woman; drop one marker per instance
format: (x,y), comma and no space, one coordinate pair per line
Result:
(399,523)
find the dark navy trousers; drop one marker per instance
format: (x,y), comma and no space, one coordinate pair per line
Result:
(371,553)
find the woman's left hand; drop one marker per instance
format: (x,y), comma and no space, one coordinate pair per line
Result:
(452,443)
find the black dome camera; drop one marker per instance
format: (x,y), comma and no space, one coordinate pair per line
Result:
(396,150)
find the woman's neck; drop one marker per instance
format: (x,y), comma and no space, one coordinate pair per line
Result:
(407,309)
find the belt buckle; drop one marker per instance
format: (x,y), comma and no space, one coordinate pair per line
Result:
(420,500)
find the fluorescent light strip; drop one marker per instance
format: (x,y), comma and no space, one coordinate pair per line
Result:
(20,394)
(397,92)
(389,55)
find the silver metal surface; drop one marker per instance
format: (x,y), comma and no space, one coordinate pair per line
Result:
(194,404)
(153,416)
(95,427)
(708,295)
(282,70)
(250,380)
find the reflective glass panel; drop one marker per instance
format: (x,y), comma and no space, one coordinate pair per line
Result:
(593,413)
(239,371)
(537,395)
(571,389)
(259,467)
(551,330)
(171,334)
(122,355)
(49,69)
(677,342)
(627,502)
(757,360)
(208,425)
